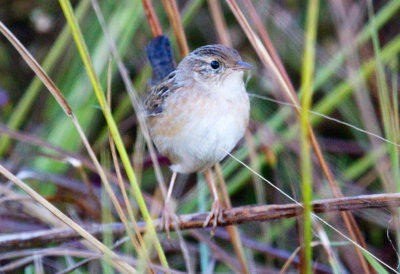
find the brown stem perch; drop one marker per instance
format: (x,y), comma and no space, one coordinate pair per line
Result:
(174,17)
(238,215)
(152,18)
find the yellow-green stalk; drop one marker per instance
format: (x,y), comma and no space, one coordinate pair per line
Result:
(306,166)
(72,22)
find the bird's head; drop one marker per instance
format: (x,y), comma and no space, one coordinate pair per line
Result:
(212,64)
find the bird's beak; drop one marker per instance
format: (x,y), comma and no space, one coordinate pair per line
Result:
(242,66)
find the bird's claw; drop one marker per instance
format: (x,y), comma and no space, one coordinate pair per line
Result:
(168,216)
(215,215)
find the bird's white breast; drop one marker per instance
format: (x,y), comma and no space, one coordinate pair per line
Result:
(205,124)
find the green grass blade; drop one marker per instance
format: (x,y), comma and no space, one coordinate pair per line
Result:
(375,264)
(71,19)
(306,165)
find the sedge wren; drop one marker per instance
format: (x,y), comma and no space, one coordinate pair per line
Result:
(198,113)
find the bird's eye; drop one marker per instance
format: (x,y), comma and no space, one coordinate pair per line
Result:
(214,64)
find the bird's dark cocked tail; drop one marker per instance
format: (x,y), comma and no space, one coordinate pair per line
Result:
(161,58)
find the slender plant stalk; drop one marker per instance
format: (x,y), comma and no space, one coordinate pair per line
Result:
(378,268)
(267,41)
(286,265)
(219,22)
(152,18)
(66,6)
(174,17)
(204,251)
(306,165)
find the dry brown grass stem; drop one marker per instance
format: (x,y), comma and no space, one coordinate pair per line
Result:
(267,41)
(152,18)
(233,216)
(232,230)
(28,58)
(219,22)
(281,76)
(175,19)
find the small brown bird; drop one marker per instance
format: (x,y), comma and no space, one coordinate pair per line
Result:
(198,113)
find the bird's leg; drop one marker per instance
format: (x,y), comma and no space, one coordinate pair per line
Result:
(168,211)
(216,209)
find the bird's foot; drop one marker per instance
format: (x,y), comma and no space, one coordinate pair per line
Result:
(168,217)
(215,215)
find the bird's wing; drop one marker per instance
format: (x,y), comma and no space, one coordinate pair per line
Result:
(154,103)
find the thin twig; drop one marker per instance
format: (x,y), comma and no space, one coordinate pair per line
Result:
(237,215)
